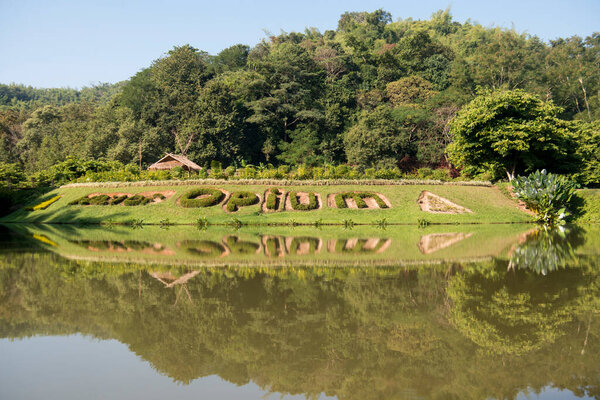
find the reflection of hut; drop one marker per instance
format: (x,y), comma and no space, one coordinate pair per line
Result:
(171,161)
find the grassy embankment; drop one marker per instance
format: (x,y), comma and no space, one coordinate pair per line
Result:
(488,204)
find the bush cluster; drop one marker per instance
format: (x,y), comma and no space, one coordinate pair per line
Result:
(241,199)
(45,204)
(106,200)
(296,205)
(137,200)
(340,199)
(547,195)
(190,199)
(272,200)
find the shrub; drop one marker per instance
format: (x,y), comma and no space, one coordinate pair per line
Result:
(45,204)
(190,200)
(296,205)
(272,199)
(241,199)
(118,200)
(99,200)
(82,201)
(137,200)
(340,199)
(547,195)
(158,196)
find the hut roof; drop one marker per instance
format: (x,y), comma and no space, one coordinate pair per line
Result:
(184,161)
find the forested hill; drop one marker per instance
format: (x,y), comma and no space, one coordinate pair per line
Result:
(373,92)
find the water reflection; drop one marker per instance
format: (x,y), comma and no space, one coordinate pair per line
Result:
(451,330)
(272,246)
(547,249)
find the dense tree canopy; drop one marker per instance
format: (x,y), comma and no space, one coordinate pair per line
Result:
(372,92)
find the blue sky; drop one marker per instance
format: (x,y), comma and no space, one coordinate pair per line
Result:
(64,43)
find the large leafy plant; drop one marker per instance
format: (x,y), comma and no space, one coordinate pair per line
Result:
(546,194)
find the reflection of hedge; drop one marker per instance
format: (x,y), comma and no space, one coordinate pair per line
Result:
(340,199)
(189,199)
(313,244)
(359,247)
(203,248)
(296,205)
(137,200)
(241,199)
(241,247)
(273,199)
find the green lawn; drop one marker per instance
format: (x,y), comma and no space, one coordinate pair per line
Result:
(487,203)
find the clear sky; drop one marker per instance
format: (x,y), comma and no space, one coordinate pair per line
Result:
(60,43)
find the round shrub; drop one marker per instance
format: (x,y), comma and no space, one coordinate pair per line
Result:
(190,200)
(241,199)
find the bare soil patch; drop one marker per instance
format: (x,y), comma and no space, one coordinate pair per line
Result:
(430,202)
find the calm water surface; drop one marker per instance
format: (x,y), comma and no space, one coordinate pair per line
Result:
(489,312)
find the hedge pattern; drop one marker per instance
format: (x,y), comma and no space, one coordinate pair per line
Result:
(241,199)
(137,200)
(190,200)
(272,201)
(45,204)
(340,199)
(296,205)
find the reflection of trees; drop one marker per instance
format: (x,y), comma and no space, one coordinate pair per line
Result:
(547,249)
(357,333)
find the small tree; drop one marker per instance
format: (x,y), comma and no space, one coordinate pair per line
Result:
(512,130)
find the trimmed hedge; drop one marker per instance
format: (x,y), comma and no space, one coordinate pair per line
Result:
(158,196)
(100,200)
(340,199)
(118,200)
(45,204)
(272,201)
(82,201)
(241,199)
(137,200)
(190,200)
(296,205)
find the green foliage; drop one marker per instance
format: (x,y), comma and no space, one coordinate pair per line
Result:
(546,194)
(137,200)
(511,129)
(241,199)
(45,204)
(193,199)
(358,197)
(272,201)
(296,205)
(11,174)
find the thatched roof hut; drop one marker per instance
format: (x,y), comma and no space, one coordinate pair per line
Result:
(171,161)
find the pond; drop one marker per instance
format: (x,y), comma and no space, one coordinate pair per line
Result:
(442,312)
